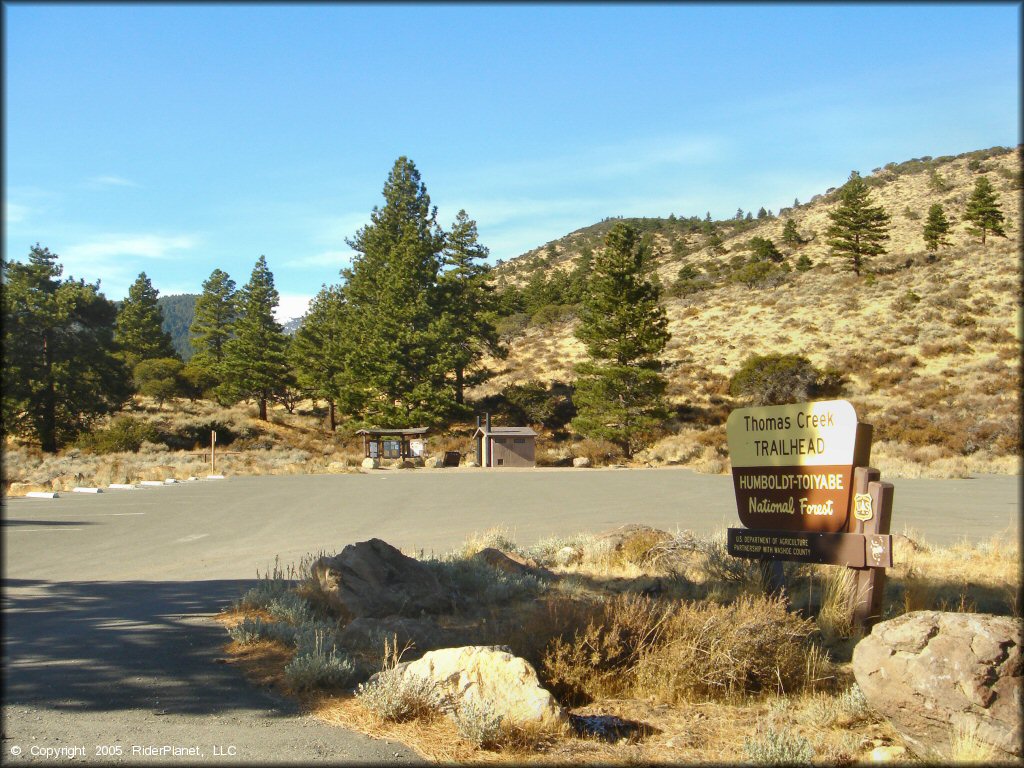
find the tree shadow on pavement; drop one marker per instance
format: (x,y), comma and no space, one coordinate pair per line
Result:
(107,646)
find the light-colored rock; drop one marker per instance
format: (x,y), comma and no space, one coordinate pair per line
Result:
(568,555)
(887,754)
(493,675)
(372,578)
(581,461)
(931,672)
(371,463)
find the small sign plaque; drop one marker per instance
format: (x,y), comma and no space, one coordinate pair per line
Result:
(862,506)
(850,549)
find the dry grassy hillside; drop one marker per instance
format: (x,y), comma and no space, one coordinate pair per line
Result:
(931,349)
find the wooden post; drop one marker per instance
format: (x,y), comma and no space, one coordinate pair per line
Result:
(213,451)
(869,582)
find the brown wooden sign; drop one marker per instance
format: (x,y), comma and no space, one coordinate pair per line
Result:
(792,465)
(850,549)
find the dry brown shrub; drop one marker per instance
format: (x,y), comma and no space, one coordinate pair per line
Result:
(752,645)
(600,659)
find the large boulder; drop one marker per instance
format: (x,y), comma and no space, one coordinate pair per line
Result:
(493,675)
(931,672)
(371,463)
(581,461)
(372,578)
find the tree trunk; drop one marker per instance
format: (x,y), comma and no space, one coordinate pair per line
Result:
(459,385)
(263,408)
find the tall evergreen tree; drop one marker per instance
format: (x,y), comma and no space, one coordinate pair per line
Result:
(60,370)
(619,392)
(393,300)
(983,211)
(213,320)
(790,236)
(255,360)
(858,228)
(320,351)
(140,332)
(936,227)
(468,306)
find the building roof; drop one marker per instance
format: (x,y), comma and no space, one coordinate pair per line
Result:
(375,432)
(505,431)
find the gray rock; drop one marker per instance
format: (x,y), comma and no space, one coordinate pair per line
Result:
(581,461)
(372,578)
(931,672)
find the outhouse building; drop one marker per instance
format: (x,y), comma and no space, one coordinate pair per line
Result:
(505,446)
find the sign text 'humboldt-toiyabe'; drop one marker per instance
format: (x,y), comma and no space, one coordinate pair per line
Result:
(792,465)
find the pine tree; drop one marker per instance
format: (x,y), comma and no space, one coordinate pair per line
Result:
(255,361)
(983,210)
(936,227)
(619,393)
(213,321)
(467,307)
(790,236)
(858,228)
(60,369)
(762,213)
(320,351)
(393,299)
(140,332)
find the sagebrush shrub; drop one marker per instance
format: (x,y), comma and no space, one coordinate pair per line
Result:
(477,722)
(397,698)
(779,747)
(318,664)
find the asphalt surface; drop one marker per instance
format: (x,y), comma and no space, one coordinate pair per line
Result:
(108,600)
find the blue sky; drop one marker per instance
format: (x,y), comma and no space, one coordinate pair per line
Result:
(175,139)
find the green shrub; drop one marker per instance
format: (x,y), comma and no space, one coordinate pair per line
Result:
(776,379)
(124,434)
(779,747)
(250,631)
(512,325)
(803,263)
(477,722)
(472,581)
(159,378)
(550,314)
(398,698)
(318,664)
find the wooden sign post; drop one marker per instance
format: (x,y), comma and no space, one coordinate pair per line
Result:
(798,472)
(213,450)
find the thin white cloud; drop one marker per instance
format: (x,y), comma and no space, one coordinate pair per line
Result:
(111,181)
(117,245)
